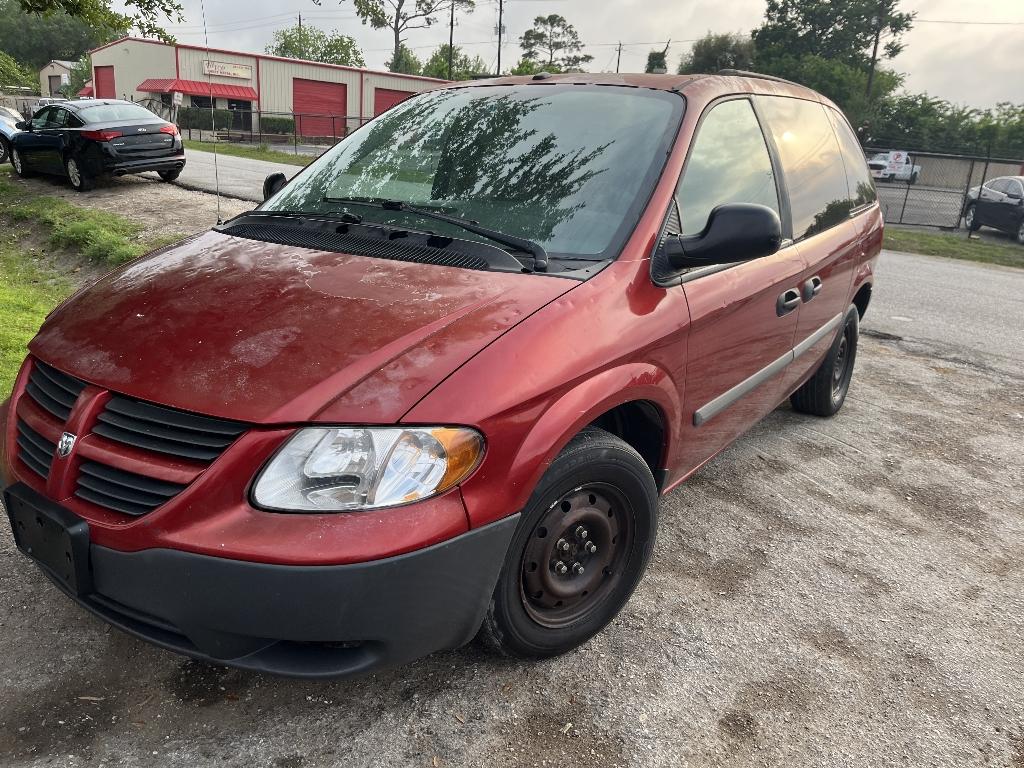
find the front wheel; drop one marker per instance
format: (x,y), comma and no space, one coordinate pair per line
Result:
(825,392)
(80,180)
(5,150)
(582,544)
(18,161)
(971,218)
(1020,233)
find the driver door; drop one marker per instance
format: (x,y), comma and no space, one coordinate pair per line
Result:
(32,144)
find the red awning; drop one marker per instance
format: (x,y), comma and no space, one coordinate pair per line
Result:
(87,91)
(197,88)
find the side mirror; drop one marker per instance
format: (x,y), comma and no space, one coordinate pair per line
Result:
(734,232)
(23,125)
(1015,195)
(272,185)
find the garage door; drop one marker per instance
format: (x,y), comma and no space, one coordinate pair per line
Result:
(383,99)
(315,104)
(104,83)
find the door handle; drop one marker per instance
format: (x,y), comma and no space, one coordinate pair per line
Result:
(812,288)
(788,301)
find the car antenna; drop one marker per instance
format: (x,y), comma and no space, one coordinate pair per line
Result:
(213,113)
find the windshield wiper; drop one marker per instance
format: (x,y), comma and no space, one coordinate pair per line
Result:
(348,218)
(540,256)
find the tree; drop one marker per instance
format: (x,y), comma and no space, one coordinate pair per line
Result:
(314,44)
(81,73)
(400,16)
(554,44)
(832,29)
(405,62)
(36,40)
(143,15)
(657,61)
(714,52)
(13,74)
(463,67)
(526,67)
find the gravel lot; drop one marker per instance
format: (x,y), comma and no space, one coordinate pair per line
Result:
(824,593)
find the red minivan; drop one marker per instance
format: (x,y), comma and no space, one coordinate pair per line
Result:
(433,386)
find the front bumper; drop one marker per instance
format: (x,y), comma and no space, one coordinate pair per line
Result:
(299,621)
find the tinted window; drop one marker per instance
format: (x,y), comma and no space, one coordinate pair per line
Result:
(110,113)
(858,177)
(1015,188)
(42,117)
(568,166)
(729,163)
(998,185)
(811,161)
(59,118)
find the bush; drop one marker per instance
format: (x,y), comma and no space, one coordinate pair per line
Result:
(277,125)
(201,118)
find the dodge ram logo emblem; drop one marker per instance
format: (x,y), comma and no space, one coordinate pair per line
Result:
(67,442)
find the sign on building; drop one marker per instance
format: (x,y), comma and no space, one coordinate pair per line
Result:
(227,69)
(176,98)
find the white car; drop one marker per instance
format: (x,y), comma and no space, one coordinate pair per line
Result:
(45,102)
(8,118)
(894,166)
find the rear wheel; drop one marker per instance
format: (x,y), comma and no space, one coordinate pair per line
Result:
(5,150)
(1020,232)
(80,180)
(19,163)
(580,549)
(170,175)
(825,392)
(971,218)
(913,178)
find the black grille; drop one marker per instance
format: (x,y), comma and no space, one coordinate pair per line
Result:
(331,240)
(166,430)
(122,491)
(52,390)
(35,450)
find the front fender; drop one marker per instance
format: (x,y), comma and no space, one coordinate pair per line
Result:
(517,462)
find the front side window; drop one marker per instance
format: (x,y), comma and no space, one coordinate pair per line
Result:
(568,166)
(811,162)
(42,118)
(728,163)
(998,185)
(858,178)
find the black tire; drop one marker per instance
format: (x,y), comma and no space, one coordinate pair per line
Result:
(825,392)
(170,175)
(913,178)
(80,180)
(19,164)
(971,218)
(1020,232)
(597,481)
(5,150)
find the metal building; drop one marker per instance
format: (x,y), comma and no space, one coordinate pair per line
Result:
(321,96)
(54,76)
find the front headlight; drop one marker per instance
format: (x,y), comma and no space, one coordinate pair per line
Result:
(331,469)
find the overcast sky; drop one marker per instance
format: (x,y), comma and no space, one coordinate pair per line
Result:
(973,58)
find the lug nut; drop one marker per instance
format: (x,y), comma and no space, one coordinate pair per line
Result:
(577,569)
(560,568)
(581,533)
(591,547)
(562,545)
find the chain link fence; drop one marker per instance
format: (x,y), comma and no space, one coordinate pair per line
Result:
(929,188)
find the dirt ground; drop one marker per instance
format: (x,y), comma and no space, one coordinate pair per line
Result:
(841,592)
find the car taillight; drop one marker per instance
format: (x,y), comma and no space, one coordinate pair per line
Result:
(171,129)
(102,135)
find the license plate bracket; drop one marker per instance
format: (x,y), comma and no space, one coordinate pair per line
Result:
(56,539)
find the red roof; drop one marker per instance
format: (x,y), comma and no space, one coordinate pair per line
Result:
(197,88)
(86,91)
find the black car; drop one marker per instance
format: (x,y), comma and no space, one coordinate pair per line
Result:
(86,139)
(999,204)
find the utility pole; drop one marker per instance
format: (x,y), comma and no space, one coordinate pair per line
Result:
(300,20)
(618,61)
(501,28)
(874,53)
(451,42)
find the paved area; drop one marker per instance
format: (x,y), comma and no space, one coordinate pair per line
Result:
(240,177)
(840,592)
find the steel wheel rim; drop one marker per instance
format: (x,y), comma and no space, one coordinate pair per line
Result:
(74,174)
(839,367)
(576,555)
(16,160)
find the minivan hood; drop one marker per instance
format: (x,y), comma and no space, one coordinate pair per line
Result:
(264,333)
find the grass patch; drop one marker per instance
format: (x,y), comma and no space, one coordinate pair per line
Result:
(29,286)
(253,152)
(954,247)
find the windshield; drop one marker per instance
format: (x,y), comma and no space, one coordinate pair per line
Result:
(567,166)
(109,113)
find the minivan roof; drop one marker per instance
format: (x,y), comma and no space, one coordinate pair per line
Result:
(727,81)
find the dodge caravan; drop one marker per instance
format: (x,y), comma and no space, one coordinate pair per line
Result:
(433,387)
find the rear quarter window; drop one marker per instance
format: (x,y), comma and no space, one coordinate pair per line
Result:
(811,162)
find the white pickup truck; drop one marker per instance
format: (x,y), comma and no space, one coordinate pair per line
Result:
(894,166)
